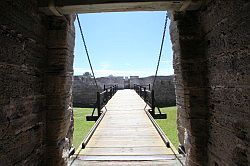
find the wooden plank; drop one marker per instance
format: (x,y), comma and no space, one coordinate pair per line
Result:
(127,163)
(126,133)
(155,150)
(128,158)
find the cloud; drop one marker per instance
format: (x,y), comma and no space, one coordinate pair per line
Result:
(142,72)
(128,64)
(166,61)
(105,65)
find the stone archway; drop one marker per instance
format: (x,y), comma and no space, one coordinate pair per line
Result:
(211,55)
(196,48)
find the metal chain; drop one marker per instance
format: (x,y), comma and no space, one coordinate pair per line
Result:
(162,42)
(86,50)
(157,68)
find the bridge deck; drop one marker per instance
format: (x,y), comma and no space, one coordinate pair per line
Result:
(126,134)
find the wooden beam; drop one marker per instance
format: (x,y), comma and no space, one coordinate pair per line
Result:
(55,7)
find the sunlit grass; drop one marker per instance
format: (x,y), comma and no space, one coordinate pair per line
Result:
(169,125)
(81,126)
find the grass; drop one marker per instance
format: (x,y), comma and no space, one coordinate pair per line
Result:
(81,126)
(169,125)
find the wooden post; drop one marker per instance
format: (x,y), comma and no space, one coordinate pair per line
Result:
(98,104)
(148,86)
(106,95)
(153,102)
(104,88)
(110,92)
(140,90)
(145,93)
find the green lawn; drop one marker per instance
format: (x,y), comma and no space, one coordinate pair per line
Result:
(81,126)
(169,125)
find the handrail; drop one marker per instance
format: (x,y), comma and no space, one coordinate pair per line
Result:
(102,99)
(92,130)
(104,96)
(149,97)
(159,130)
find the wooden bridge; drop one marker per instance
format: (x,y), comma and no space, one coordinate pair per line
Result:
(126,134)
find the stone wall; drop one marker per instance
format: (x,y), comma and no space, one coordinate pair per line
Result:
(211,64)
(36,59)
(164,88)
(226,26)
(191,85)
(84,89)
(23,56)
(84,92)
(58,87)
(110,81)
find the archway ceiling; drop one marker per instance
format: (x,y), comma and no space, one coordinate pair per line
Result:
(60,7)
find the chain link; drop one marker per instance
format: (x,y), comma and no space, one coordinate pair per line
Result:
(162,43)
(86,50)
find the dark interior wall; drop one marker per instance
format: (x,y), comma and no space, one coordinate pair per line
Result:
(36,66)
(58,87)
(226,26)
(23,56)
(211,62)
(190,85)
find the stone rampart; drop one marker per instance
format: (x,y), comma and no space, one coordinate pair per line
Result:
(84,89)
(164,88)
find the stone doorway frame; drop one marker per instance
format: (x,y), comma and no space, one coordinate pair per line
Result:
(59,74)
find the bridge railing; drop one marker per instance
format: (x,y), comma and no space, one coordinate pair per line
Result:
(105,96)
(102,99)
(149,97)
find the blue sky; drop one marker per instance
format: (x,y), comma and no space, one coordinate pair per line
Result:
(123,44)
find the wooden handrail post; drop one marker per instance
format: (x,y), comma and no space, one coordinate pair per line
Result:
(153,102)
(140,90)
(110,92)
(106,94)
(98,104)
(145,93)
